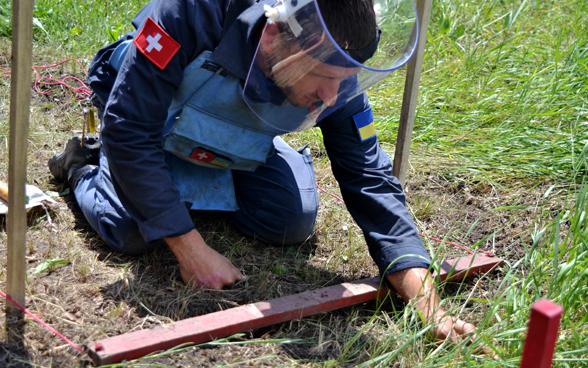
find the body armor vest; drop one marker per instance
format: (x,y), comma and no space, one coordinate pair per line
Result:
(210,131)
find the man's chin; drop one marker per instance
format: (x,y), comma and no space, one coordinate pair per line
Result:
(302,102)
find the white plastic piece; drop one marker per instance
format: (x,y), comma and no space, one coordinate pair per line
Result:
(378,11)
(36,198)
(271,13)
(283,9)
(294,26)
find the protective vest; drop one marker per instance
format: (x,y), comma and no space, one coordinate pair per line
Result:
(210,131)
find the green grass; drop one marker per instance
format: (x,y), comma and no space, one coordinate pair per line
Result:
(504,90)
(555,267)
(77,28)
(503,100)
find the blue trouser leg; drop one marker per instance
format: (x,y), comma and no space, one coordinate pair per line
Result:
(278,203)
(102,208)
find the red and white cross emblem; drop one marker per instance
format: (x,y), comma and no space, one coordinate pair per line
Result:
(202,155)
(153,43)
(156,44)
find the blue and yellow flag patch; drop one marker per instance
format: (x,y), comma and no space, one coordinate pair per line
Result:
(200,154)
(364,122)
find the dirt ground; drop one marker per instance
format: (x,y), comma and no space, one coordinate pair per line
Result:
(100,294)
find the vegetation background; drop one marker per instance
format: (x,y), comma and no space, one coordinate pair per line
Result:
(498,163)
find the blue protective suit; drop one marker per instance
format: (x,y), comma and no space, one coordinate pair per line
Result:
(134,182)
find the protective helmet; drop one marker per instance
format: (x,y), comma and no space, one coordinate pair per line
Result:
(300,73)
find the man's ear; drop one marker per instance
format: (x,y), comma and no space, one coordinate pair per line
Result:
(269,37)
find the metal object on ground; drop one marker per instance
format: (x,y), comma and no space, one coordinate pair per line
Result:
(467,266)
(225,323)
(89,121)
(541,335)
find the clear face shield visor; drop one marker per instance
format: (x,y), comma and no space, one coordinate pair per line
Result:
(299,74)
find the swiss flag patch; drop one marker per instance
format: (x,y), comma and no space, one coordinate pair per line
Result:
(202,155)
(155,44)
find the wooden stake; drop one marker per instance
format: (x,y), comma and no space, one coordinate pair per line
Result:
(411,91)
(541,335)
(20,100)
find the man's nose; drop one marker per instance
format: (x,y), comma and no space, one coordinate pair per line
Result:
(328,91)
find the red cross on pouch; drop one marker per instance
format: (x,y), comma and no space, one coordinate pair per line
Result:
(156,44)
(202,155)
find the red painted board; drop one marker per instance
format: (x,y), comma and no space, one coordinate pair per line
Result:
(541,335)
(459,268)
(225,323)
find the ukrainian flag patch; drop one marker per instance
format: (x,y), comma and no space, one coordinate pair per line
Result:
(364,122)
(219,161)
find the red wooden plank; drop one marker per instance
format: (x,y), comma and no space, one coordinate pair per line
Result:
(231,321)
(541,335)
(459,268)
(225,323)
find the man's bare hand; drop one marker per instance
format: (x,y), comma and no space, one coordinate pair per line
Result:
(200,265)
(416,284)
(456,330)
(451,329)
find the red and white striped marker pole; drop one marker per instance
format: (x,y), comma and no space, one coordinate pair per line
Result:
(541,335)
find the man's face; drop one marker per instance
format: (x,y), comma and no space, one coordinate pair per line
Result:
(303,79)
(307,81)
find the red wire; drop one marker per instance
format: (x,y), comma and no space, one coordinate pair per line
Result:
(84,90)
(426,236)
(447,242)
(331,194)
(41,322)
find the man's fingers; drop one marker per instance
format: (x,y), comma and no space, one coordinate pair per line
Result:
(455,330)
(225,276)
(202,267)
(464,329)
(238,275)
(232,273)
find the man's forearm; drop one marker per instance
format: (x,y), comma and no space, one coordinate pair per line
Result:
(416,283)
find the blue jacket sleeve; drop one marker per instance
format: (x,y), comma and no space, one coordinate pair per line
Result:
(136,111)
(373,196)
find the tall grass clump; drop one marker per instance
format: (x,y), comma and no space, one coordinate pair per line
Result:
(503,91)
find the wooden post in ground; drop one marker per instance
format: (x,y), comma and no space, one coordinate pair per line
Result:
(411,90)
(20,100)
(541,335)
